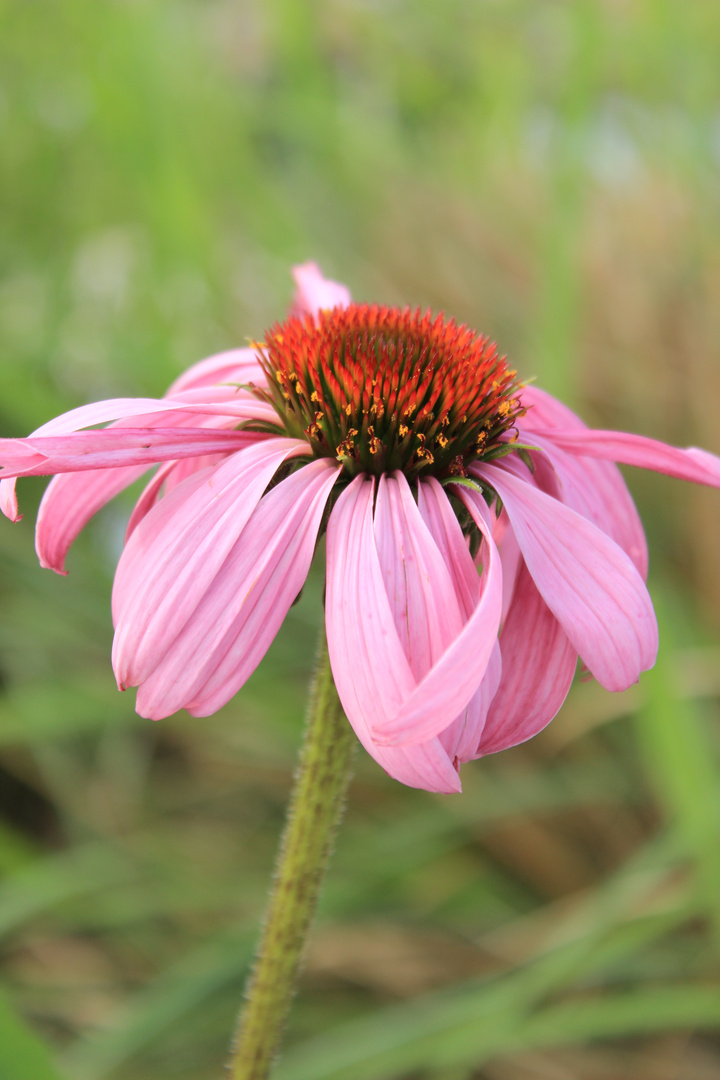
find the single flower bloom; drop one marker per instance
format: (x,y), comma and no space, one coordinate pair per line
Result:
(479,536)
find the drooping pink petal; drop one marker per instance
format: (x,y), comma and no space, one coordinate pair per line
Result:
(315,293)
(461,738)
(445,530)
(239,614)
(84,416)
(236,366)
(361,638)
(511,560)
(164,573)
(223,401)
(151,493)
(597,490)
(417,582)
(8,500)
(427,765)
(100,412)
(371,671)
(111,448)
(70,500)
(538,665)
(586,580)
(167,477)
(545,411)
(454,678)
(691,463)
(433,703)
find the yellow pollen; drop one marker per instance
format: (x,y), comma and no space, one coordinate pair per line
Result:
(314,396)
(319,417)
(403,430)
(441,441)
(503,408)
(348,409)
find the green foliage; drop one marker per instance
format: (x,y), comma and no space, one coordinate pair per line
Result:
(546,172)
(21,1052)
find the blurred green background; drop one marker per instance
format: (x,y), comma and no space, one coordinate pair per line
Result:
(548,172)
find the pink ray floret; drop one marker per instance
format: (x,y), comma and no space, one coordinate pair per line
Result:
(464,579)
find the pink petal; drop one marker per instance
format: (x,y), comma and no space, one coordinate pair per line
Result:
(70,500)
(84,416)
(111,448)
(315,293)
(220,406)
(450,684)
(587,581)
(538,668)
(511,560)
(427,766)
(596,490)
(238,616)
(165,571)
(151,494)
(370,668)
(168,476)
(239,366)
(225,401)
(461,738)
(8,500)
(445,530)
(691,463)
(372,674)
(545,411)
(377,686)
(100,412)
(422,596)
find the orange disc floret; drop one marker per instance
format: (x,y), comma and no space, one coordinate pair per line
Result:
(383,388)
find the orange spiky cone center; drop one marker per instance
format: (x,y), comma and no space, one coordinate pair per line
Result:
(382,388)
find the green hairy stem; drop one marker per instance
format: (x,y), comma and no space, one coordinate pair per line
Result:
(316,807)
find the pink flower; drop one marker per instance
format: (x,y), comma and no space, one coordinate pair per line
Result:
(479,536)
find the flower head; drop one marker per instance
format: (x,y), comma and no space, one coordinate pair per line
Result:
(479,537)
(381,389)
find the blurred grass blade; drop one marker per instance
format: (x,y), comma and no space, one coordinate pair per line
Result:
(473,1023)
(654,1008)
(177,992)
(42,885)
(23,1056)
(682,760)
